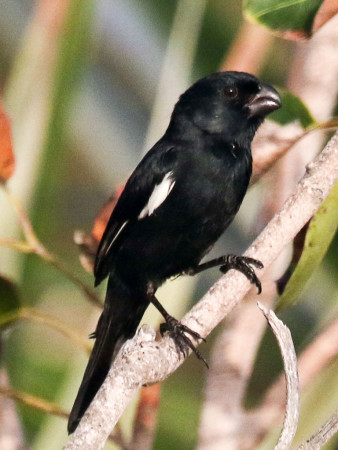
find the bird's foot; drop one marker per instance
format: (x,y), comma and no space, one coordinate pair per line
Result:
(243,264)
(182,342)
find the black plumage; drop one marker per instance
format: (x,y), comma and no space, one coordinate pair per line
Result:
(176,204)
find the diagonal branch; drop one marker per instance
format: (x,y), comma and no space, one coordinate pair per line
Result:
(143,360)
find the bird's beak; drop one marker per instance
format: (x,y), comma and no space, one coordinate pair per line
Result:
(264,102)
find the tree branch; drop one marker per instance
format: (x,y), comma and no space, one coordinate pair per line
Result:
(323,435)
(143,360)
(284,339)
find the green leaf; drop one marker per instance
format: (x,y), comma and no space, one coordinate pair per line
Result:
(283,15)
(321,231)
(9,299)
(292,109)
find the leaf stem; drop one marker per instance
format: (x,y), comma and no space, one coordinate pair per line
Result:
(33,401)
(50,321)
(330,124)
(45,406)
(33,245)
(20,246)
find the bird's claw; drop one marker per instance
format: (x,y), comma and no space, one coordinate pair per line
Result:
(177,330)
(243,264)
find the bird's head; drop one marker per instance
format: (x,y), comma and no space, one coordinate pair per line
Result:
(229,104)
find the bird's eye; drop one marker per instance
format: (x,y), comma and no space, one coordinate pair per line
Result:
(230,91)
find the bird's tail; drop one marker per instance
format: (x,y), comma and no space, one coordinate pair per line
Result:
(123,311)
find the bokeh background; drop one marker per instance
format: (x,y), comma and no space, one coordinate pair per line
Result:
(89,87)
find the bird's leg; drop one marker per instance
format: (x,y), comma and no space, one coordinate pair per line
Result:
(176,329)
(241,263)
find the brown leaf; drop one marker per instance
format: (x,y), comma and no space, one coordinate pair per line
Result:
(88,247)
(7,163)
(103,216)
(88,243)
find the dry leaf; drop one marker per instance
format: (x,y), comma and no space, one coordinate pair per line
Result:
(104,214)
(7,162)
(88,243)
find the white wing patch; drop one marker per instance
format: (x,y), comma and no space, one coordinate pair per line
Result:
(116,236)
(159,194)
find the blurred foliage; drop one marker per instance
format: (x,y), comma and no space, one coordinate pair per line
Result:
(286,16)
(10,301)
(7,162)
(321,231)
(107,63)
(70,64)
(293,110)
(178,420)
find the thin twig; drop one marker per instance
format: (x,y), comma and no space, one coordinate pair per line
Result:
(35,402)
(284,339)
(62,268)
(51,321)
(274,141)
(45,406)
(33,245)
(27,228)
(311,361)
(20,246)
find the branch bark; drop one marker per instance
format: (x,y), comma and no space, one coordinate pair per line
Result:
(323,435)
(143,360)
(288,352)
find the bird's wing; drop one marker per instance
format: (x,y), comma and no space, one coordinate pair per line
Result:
(146,189)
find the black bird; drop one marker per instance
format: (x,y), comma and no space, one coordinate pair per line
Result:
(176,204)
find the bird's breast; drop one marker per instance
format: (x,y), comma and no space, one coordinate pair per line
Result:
(213,187)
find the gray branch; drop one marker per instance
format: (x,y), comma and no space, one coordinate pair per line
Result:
(323,436)
(143,360)
(284,339)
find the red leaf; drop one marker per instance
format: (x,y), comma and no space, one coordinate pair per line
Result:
(7,163)
(88,243)
(103,216)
